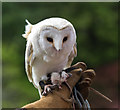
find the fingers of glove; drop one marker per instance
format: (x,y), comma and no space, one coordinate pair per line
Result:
(86,79)
(76,66)
(77,71)
(81,65)
(90,73)
(84,84)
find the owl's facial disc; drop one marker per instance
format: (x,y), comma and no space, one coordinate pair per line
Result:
(56,41)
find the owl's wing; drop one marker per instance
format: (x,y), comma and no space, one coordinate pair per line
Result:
(29,59)
(71,56)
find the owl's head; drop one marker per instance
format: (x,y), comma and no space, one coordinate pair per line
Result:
(54,35)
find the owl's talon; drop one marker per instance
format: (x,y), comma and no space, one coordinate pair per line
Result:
(53,87)
(60,87)
(65,76)
(44,94)
(69,75)
(47,89)
(51,91)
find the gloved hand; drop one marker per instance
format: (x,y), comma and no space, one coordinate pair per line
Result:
(81,77)
(85,81)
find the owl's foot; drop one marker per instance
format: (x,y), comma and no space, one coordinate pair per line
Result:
(47,89)
(56,80)
(65,76)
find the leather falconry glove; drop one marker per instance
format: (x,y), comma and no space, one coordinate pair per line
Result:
(81,79)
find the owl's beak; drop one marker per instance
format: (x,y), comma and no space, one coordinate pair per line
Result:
(58,46)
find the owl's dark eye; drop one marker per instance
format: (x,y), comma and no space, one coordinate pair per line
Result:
(49,39)
(65,39)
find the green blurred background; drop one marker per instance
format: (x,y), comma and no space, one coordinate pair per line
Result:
(97,42)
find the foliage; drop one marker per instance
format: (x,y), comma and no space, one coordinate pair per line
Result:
(96,27)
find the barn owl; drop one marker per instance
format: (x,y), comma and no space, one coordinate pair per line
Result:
(51,47)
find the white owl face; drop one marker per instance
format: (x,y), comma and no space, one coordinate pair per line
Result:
(56,41)
(53,36)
